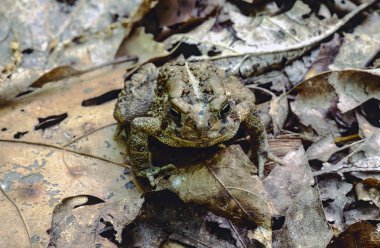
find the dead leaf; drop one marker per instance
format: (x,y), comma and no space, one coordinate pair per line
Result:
(305,224)
(326,55)
(369,190)
(273,39)
(334,194)
(44,176)
(291,192)
(165,218)
(279,110)
(227,186)
(320,98)
(141,45)
(66,96)
(361,211)
(360,46)
(360,234)
(322,149)
(64,37)
(170,12)
(366,129)
(354,87)
(286,181)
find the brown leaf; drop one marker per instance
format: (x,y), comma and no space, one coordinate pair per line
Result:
(334,94)
(170,12)
(326,55)
(366,129)
(44,176)
(360,234)
(369,190)
(164,217)
(226,185)
(67,97)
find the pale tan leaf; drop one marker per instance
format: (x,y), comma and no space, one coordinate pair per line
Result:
(68,96)
(40,177)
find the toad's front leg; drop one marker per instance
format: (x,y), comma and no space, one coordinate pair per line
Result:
(259,147)
(141,158)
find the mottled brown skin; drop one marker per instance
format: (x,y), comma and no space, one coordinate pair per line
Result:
(186,104)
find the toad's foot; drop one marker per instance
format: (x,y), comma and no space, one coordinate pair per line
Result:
(152,172)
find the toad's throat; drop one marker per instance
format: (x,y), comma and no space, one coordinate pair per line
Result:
(175,141)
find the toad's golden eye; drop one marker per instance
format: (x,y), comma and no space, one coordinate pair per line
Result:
(175,114)
(225,109)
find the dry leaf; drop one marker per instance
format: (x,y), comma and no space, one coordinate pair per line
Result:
(290,189)
(67,36)
(360,234)
(44,176)
(64,97)
(226,184)
(320,98)
(141,45)
(322,149)
(264,41)
(165,217)
(305,223)
(359,47)
(279,111)
(369,190)
(334,194)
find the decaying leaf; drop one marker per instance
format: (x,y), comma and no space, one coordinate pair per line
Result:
(322,149)
(292,194)
(226,184)
(165,218)
(320,97)
(264,40)
(366,129)
(355,87)
(360,234)
(326,55)
(286,181)
(64,174)
(334,194)
(67,43)
(141,45)
(43,177)
(359,47)
(369,190)
(305,224)
(361,211)
(279,111)
(66,96)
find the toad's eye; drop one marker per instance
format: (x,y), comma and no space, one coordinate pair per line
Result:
(175,114)
(225,109)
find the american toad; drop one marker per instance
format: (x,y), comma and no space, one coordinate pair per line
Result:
(186,104)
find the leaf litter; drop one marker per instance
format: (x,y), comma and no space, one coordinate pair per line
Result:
(65,177)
